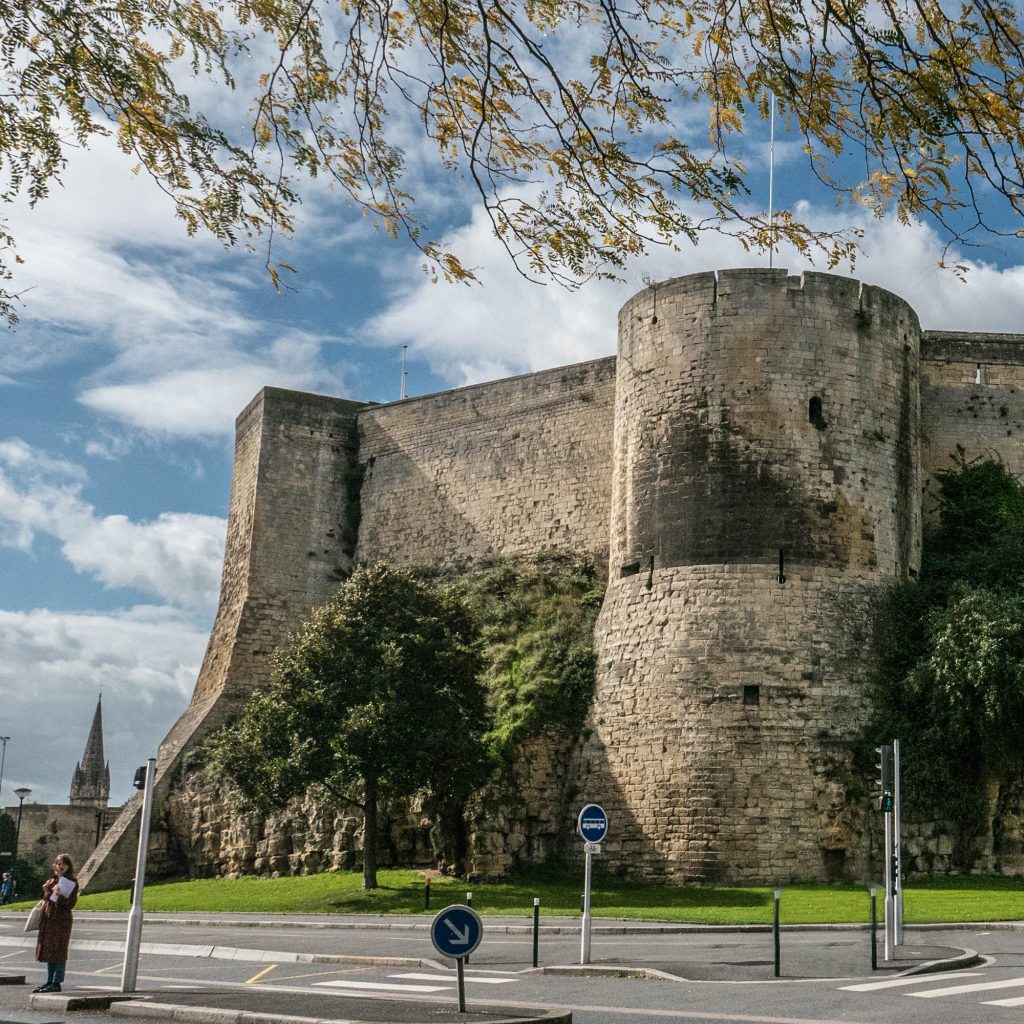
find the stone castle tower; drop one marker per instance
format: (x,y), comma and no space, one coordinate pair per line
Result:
(90,784)
(752,468)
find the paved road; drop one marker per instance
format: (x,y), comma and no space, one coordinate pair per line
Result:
(826,974)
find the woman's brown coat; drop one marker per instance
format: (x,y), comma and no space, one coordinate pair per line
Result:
(55,927)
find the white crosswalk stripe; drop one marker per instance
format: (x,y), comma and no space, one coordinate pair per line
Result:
(914,979)
(1016,1001)
(381,986)
(960,990)
(470,978)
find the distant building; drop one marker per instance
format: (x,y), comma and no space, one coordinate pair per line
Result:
(90,785)
(77,827)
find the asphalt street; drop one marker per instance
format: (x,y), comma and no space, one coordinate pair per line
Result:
(299,967)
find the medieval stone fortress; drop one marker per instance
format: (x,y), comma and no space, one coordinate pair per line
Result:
(753,467)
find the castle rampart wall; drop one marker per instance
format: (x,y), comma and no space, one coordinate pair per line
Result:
(755,412)
(747,412)
(514,467)
(289,543)
(972,396)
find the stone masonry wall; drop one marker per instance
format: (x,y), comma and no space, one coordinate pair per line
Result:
(972,395)
(510,468)
(755,412)
(523,817)
(49,829)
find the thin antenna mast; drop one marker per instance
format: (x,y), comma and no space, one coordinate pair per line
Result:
(405,373)
(771,185)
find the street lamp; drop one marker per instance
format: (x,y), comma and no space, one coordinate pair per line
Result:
(21,794)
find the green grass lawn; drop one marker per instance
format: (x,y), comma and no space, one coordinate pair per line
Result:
(401,892)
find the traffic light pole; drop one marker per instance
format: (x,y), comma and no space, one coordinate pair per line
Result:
(888,785)
(890,887)
(897,843)
(134,937)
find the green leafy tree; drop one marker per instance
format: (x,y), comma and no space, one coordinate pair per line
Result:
(952,651)
(578,122)
(376,695)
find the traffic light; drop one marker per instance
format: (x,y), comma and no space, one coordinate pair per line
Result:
(884,782)
(139,782)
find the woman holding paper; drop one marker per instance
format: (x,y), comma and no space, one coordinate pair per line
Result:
(60,891)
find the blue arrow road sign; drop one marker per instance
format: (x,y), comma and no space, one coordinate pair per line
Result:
(456,931)
(593,823)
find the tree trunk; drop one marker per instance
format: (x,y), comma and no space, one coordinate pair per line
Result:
(370,835)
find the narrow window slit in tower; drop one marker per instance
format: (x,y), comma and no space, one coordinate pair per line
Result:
(977,374)
(752,694)
(815,413)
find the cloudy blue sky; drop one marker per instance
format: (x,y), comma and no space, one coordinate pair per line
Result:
(138,346)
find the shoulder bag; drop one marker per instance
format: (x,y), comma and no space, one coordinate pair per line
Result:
(35,917)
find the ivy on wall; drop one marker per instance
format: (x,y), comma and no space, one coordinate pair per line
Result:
(536,622)
(951,654)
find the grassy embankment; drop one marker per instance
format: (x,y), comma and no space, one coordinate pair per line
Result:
(401,892)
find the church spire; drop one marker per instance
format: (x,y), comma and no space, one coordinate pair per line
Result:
(90,785)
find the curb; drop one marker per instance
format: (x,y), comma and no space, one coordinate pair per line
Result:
(74,1000)
(967,958)
(132,1008)
(565,927)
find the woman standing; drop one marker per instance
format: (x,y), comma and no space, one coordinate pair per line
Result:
(60,891)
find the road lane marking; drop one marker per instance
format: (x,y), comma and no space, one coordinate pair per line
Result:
(7,956)
(916,979)
(113,967)
(381,986)
(958,990)
(1018,1001)
(261,974)
(323,974)
(469,978)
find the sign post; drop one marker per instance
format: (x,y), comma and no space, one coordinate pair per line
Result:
(592,826)
(456,932)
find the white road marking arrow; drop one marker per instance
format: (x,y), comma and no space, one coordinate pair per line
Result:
(461,938)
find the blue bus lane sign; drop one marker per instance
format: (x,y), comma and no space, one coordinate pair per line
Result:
(592,823)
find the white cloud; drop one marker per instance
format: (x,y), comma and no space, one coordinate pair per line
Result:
(144,659)
(507,325)
(176,557)
(202,401)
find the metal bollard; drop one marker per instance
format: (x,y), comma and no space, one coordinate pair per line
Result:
(874,929)
(775,929)
(469,903)
(536,927)
(426,893)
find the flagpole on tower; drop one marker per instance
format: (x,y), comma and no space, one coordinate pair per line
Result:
(771,184)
